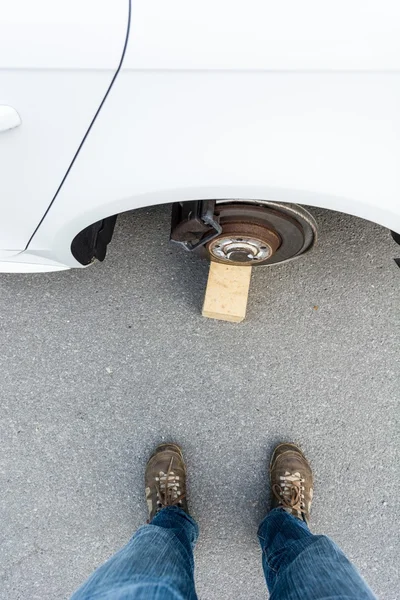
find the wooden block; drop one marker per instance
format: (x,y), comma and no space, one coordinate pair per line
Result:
(227,292)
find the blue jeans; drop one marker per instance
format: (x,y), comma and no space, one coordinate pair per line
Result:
(157,563)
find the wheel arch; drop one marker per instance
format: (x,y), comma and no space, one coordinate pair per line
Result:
(59,230)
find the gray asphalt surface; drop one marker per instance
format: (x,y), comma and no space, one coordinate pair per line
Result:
(100,365)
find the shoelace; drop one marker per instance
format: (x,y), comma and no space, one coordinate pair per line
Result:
(291,492)
(168,488)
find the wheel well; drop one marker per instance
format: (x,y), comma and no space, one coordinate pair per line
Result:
(91,243)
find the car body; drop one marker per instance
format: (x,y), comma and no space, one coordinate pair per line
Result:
(111,105)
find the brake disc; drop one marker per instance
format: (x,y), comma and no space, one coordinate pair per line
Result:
(261,233)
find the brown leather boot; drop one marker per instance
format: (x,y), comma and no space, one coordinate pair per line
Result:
(291,481)
(165,479)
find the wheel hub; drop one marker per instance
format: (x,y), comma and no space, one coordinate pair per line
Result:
(244,243)
(240,250)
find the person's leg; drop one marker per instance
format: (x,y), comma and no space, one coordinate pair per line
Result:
(157,563)
(297,564)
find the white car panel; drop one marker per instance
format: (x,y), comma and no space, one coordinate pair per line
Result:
(308,138)
(33,267)
(56,107)
(265,34)
(70,34)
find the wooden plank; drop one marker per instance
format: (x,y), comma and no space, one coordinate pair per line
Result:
(227,292)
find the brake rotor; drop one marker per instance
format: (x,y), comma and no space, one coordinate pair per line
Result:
(262,233)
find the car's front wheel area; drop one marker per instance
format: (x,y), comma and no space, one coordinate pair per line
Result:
(242,232)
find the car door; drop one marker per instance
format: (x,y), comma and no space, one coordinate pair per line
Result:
(58,61)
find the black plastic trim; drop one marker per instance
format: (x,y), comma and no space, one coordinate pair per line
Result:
(92,241)
(396,237)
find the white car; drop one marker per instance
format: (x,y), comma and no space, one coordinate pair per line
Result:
(237,113)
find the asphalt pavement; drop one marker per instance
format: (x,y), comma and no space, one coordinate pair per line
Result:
(99,365)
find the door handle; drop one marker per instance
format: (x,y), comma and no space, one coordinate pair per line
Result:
(9,118)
